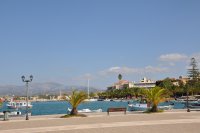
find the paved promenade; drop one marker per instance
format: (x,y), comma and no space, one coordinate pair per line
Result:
(167,122)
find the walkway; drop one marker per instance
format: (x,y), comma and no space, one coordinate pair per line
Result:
(168,122)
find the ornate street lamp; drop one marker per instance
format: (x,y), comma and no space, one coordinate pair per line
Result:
(187,102)
(27,81)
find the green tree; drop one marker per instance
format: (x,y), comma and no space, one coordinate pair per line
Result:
(120,77)
(181,88)
(166,83)
(102,95)
(193,72)
(92,94)
(169,86)
(136,92)
(75,99)
(174,89)
(128,92)
(154,96)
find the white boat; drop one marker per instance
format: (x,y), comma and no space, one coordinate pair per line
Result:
(144,106)
(167,107)
(86,110)
(138,106)
(117,100)
(98,110)
(12,114)
(107,100)
(191,99)
(18,104)
(15,113)
(90,100)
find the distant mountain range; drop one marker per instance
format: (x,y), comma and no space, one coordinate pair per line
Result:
(41,89)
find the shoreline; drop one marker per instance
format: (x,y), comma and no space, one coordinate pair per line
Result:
(96,114)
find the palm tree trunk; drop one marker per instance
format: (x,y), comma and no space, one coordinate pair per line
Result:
(74,111)
(154,108)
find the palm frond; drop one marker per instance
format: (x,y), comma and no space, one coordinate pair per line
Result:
(155,95)
(76,98)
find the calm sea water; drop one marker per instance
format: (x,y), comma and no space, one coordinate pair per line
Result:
(60,107)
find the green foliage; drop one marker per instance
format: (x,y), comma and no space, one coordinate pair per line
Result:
(193,72)
(154,96)
(102,94)
(167,84)
(1,102)
(136,91)
(92,94)
(172,89)
(121,93)
(120,77)
(75,99)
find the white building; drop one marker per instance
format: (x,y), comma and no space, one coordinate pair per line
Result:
(145,83)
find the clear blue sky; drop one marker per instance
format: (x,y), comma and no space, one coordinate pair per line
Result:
(68,41)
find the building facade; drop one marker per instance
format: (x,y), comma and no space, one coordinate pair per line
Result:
(144,83)
(121,84)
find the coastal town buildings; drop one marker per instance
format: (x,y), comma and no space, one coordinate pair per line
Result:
(184,79)
(175,81)
(144,83)
(121,84)
(181,79)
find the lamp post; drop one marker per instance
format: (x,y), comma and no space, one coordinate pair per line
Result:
(187,102)
(27,81)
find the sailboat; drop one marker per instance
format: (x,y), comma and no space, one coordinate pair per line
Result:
(88,91)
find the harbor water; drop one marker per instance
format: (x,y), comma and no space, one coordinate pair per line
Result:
(60,107)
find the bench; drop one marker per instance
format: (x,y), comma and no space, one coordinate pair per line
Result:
(116,110)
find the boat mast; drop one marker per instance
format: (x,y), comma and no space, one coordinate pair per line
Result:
(60,93)
(88,89)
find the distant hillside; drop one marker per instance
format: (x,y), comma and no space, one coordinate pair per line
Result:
(41,88)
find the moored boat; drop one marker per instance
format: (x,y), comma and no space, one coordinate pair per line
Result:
(144,106)
(190,99)
(138,106)
(91,100)
(15,113)
(194,105)
(86,110)
(18,104)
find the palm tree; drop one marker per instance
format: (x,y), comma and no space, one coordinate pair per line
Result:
(154,97)
(75,99)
